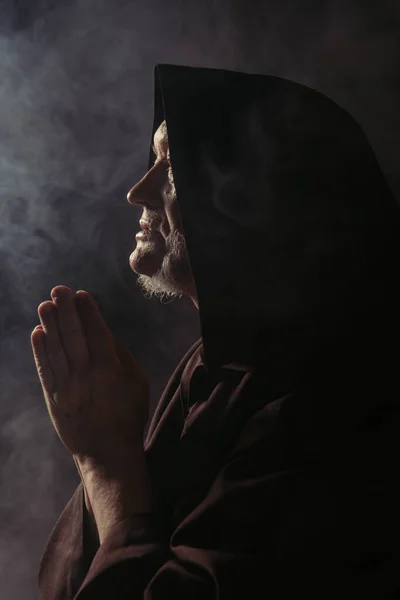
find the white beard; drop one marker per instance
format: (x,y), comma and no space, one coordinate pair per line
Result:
(174,276)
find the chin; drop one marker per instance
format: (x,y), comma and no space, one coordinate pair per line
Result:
(163,272)
(159,286)
(145,263)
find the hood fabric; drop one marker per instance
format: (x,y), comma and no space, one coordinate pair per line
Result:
(291,228)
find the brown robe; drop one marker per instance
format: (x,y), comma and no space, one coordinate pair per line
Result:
(273,453)
(272,502)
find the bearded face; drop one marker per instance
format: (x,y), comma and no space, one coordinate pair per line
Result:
(160,257)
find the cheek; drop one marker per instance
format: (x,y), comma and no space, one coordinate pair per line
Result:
(174,217)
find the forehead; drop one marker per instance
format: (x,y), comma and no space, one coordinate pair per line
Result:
(161,136)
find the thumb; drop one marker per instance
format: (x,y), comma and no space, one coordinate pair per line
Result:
(125,356)
(132,368)
(129,364)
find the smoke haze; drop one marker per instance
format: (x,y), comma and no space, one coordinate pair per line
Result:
(76,110)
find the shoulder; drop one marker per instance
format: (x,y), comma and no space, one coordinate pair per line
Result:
(172,387)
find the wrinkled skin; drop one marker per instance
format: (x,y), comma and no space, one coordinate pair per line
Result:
(96,394)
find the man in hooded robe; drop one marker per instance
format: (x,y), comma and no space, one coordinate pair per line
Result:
(272,453)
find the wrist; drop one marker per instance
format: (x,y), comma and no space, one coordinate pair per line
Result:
(115,463)
(118,490)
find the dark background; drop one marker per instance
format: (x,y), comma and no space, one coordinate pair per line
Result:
(76,102)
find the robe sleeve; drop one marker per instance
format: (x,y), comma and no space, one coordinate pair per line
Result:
(220,550)
(284,516)
(74,541)
(69,552)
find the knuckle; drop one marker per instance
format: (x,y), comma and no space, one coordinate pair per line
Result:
(72,331)
(96,330)
(42,370)
(54,353)
(81,366)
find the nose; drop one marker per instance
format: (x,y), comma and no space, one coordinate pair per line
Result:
(145,190)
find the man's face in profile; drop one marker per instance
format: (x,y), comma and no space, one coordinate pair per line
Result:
(160,257)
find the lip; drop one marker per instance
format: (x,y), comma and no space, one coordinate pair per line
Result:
(144,225)
(144,234)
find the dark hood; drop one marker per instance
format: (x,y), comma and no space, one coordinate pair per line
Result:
(291,228)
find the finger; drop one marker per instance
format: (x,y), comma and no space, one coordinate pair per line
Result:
(53,347)
(44,370)
(71,329)
(99,338)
